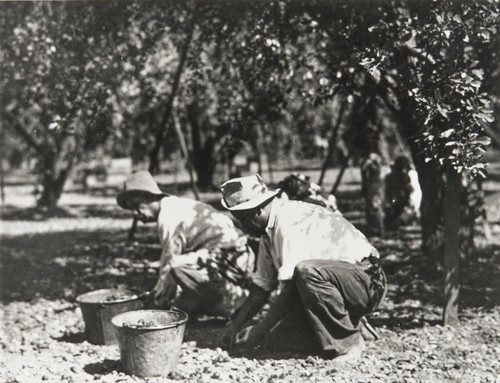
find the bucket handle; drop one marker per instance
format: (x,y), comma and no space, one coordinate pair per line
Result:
(146,297)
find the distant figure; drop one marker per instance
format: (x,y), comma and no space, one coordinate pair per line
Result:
(299,187)
(202,250)
(402,194)
(372,189)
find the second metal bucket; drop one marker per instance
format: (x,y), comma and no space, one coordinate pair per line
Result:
(100,306)
(150,341)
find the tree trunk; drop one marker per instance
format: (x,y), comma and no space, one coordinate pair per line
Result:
(205,166)
(53,180)
(451,246)
(332,142)
(430,179)
(186,155)
(341,173)
(203,152)
(162,129)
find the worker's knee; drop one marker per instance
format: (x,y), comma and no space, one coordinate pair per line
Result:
(305,272)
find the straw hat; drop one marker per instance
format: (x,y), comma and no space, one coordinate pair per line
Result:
(245,193)
(138,184)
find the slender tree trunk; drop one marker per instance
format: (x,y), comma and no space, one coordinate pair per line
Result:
(341,172)
(186,155)
(332,142)
(162,129)
(451,246)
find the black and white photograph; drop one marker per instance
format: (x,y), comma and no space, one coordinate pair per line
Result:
(251,191)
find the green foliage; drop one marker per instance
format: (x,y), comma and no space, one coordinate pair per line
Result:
(437,63)
(270,74)
(58,78)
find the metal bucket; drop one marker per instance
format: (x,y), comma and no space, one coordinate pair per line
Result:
(100,306)
(150,341)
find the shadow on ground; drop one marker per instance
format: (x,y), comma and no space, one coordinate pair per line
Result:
(77,337)
(105,367)
(65,264)
(81,211)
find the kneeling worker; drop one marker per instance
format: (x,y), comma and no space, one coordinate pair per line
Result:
(328,272)
(202,250)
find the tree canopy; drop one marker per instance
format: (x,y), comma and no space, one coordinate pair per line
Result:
(256,72)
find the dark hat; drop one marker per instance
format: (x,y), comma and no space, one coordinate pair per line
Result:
(138,184)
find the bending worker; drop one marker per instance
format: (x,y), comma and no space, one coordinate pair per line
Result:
(328,274)
(202,250)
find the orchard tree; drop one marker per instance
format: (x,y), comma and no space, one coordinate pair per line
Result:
(58,84)
(422,60)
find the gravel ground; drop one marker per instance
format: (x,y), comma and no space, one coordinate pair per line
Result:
(46,263)
(43,340)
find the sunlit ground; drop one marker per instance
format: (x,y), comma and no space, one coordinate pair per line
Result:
(47,262)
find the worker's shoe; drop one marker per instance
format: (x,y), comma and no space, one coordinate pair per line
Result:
(368,332)
(353,354)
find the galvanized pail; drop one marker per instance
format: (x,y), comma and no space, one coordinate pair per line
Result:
(150,341)
(100,306)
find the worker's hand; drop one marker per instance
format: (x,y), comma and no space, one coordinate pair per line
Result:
(249,337)
(227,337)
(164,290)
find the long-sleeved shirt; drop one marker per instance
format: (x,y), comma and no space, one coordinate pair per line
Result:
(192,231)
(189,229)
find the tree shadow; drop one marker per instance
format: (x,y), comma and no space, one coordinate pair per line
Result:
(415,287)
(204,332)
(65,264)
(80,211)
(100,211)
(479,276)
(13,213)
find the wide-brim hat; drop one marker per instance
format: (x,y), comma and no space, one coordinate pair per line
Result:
(245,193)
(138,185)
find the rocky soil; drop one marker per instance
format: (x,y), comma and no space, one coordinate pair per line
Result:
(47,262)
